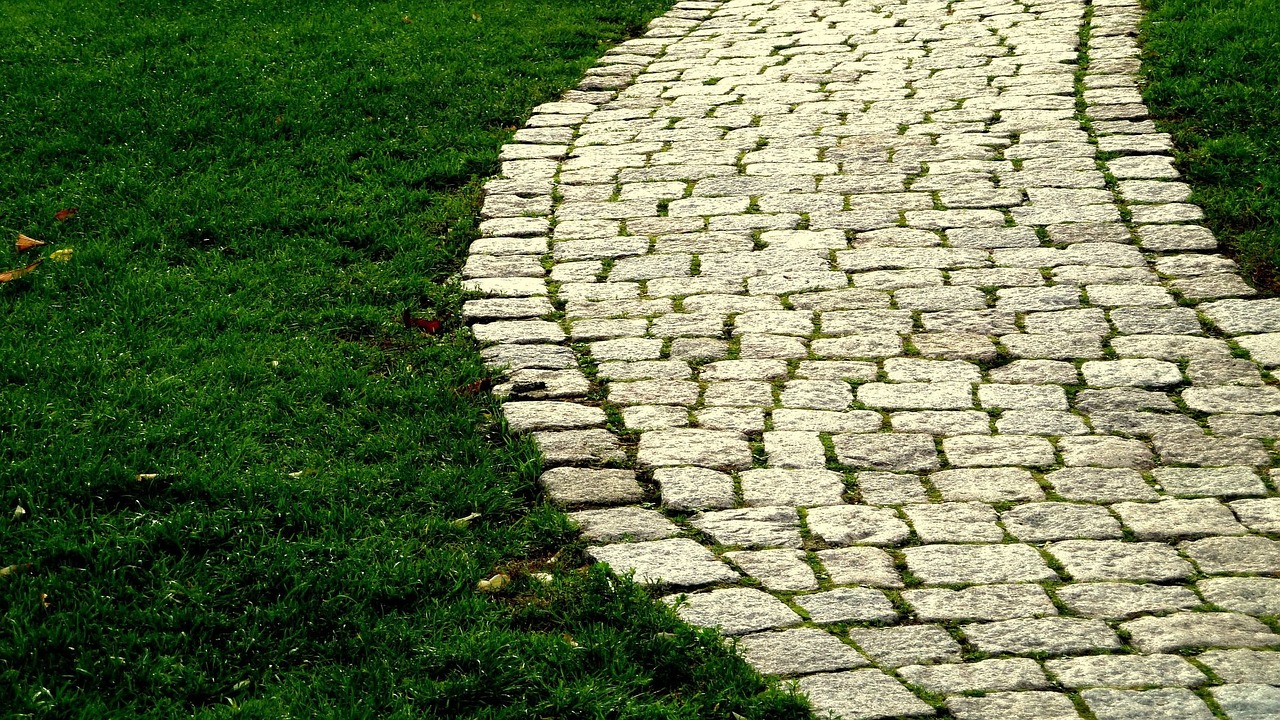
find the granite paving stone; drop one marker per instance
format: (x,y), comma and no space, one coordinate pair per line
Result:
(847,299)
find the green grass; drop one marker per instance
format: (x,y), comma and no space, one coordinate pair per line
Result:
(262,188)
(1214,73)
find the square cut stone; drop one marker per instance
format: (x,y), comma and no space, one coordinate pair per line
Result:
(739,393)
(847,605)
(1088,560)
(805,488)
(1036,372)
(1100,485)
(1140,372)
(860,566)
(1249,554)
(740,420)
(1109,452)
(981,602)
(916,370)
(783,570)
(690,488)
(1244,666)
(1164,704)
(981,676)
(548,415)
(881,488)
(734,611)
(1210,482)
(1170,519)
(917,396)
(996,450)
(1259,515)
(862,694)
(954,522)
(794,449)
(1249,595)
(1248,702)
(1198,629)
(1126,671)
(623,523)
(1047,521)
(1014,706)
(903,452)
(977,564)
(675,561)
(987,485)
(705,448)
(752,527)
(907,645)
(817,394)
(654,417)
(1053,635)
(1122,600)
(579,447)
(853,421)
(798,651)
(584,486)
(1022,397)
(942,422)
(856,525)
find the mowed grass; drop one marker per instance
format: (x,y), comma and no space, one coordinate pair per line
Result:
(242,476)
(1214,73)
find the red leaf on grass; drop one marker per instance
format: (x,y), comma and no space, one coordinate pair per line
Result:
(19,272)
(430,327)
(479,386)
(24,243)
(65,214)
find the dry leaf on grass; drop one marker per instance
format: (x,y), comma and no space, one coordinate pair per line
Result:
(16,273)
(24,243)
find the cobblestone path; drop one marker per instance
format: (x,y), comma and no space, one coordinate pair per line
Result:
(881,335)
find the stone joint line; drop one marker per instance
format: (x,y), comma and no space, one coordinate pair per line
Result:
(883,336)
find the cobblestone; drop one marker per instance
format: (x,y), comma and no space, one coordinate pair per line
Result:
(755,279)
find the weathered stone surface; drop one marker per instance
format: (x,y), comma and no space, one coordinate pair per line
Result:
(1210,482)
(1014,706)
(984,451)
(761,527)
(1055,635)
(792,487)
(860,566)
(1041,522)
(1126,671)
(782,570)
(1187,630)
(1164,704)
(1244,666)
(623,523)
(1106,452)
(983,676)
(882,451)
(1249,554)
(856,525)
(985,564)
(1178,518)
(1248,702)
(907,645)
(531,416)
(1249,595)
(954,522)
(1100,485)
(676,561)
(584,486)
(982,602)
(1259,515)
(847,604)
(734,611)
(861,694)
(1088,560)
(987,485)
(689,488)
(1121,600)
(706,448)
(798,652)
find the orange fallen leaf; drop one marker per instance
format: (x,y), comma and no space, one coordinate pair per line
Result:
(19,272)
(430,327)
(24,243)
(65,214)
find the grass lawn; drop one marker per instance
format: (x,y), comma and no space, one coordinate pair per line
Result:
(241,473)
(1214,73)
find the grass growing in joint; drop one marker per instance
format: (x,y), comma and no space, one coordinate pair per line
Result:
(1212,68)
(241,474)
